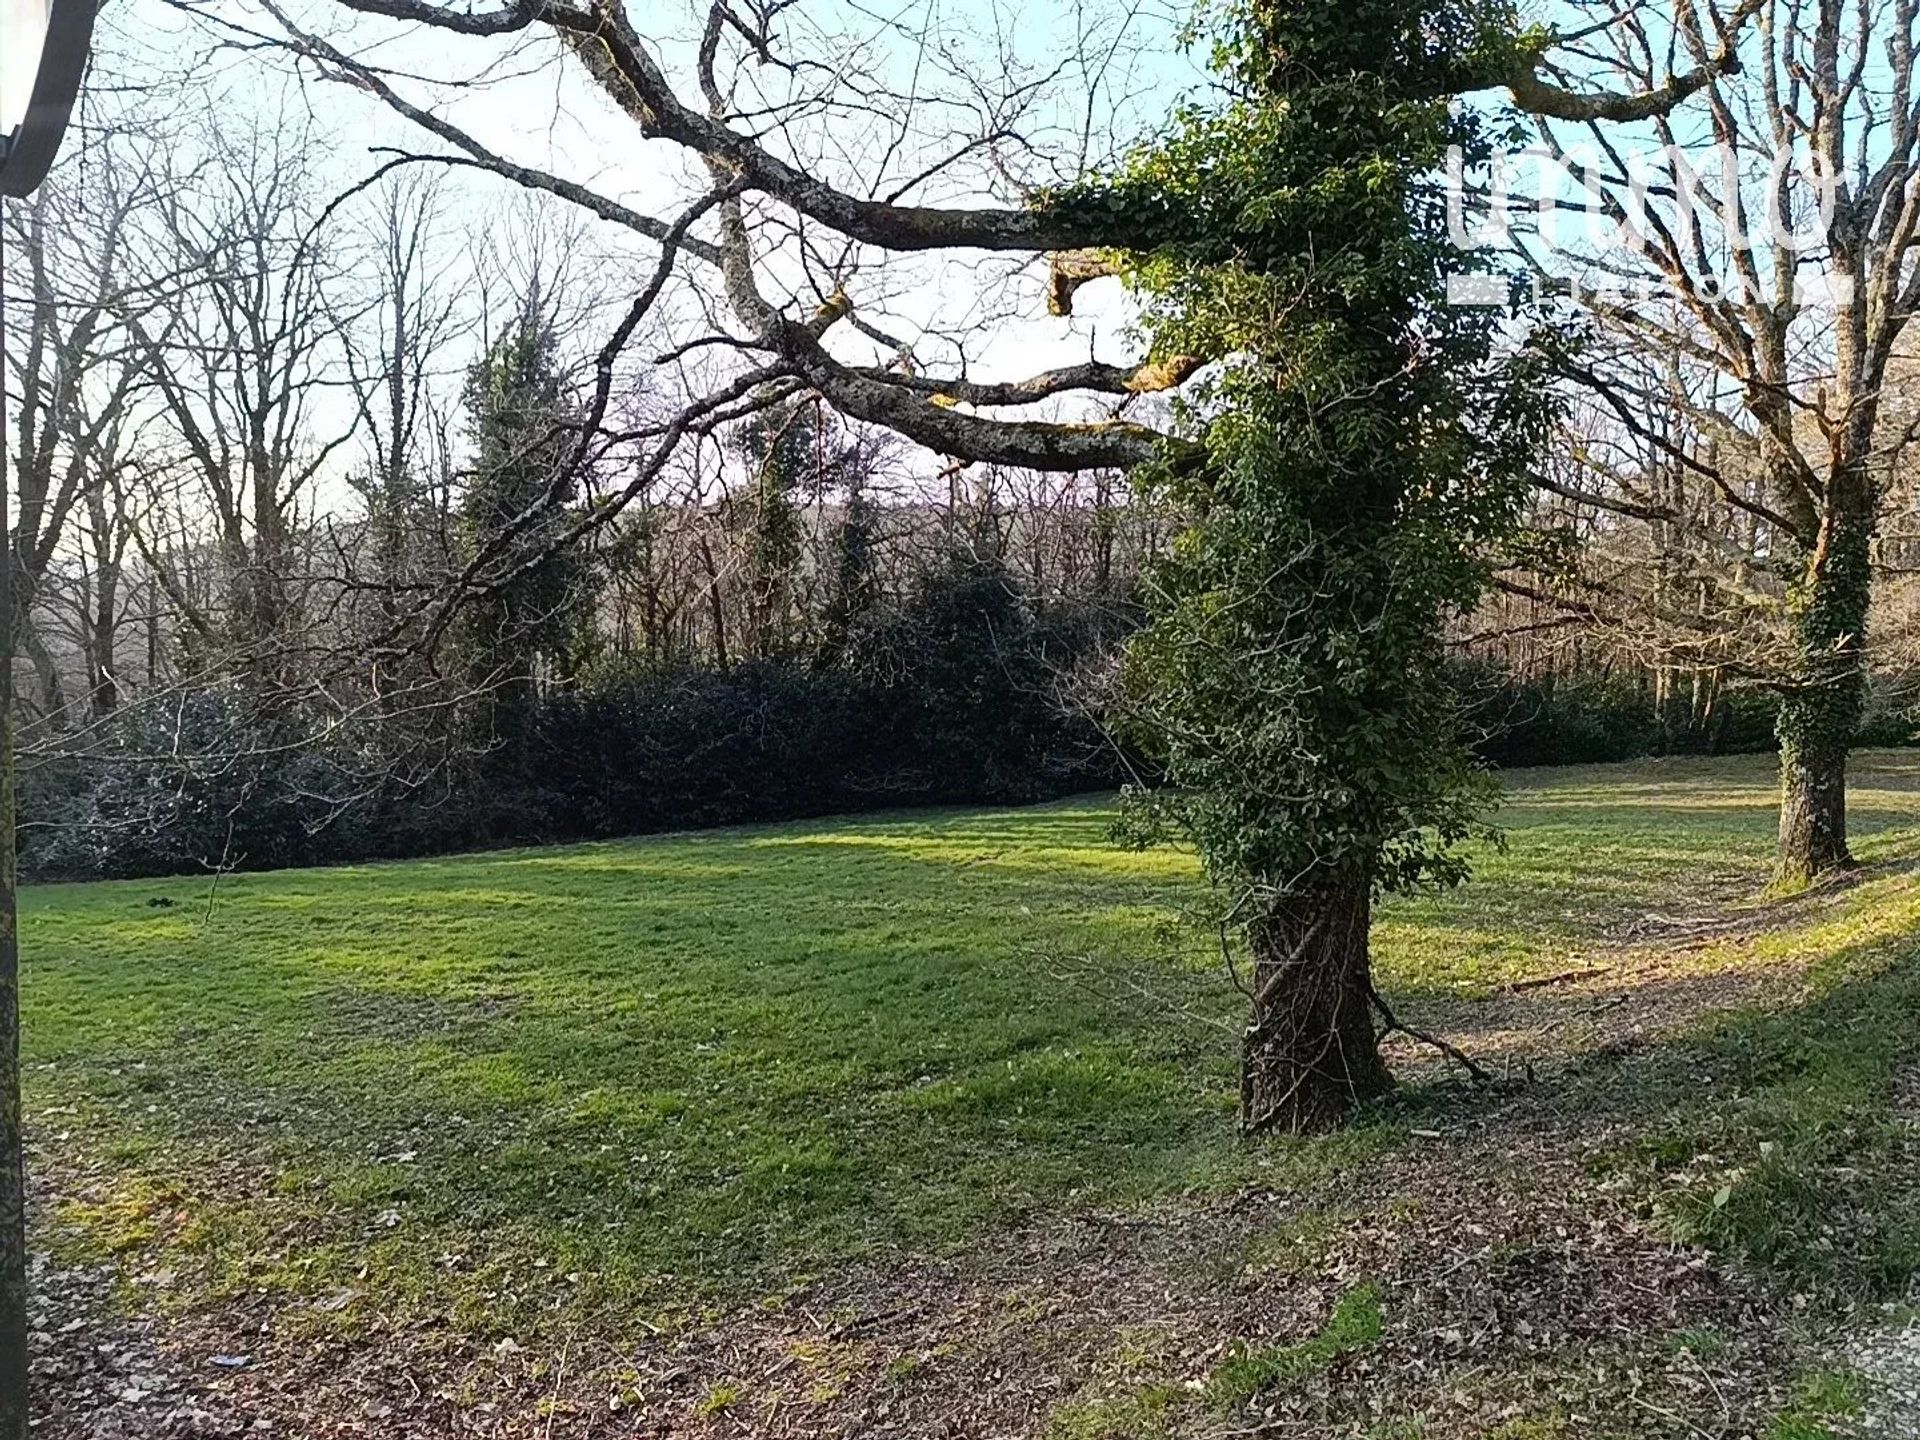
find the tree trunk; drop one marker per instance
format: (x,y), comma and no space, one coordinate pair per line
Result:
(1821,711)
(13,1180)
(53,694)
(716,602)
(1813,804)
(1310,1055)
(101,622)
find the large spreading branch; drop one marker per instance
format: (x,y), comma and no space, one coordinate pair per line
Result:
(1545,98)
(938,413)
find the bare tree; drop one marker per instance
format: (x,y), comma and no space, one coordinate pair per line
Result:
(399,375)
(1754,311)
(77,379)
(238,352)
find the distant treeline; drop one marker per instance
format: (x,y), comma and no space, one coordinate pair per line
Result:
(961,694)
(954,694)
(783,638)
(1598,716)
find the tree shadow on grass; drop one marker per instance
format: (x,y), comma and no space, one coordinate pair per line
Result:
(1781,1130)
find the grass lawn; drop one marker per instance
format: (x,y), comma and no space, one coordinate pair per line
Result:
(623,1089)
(670,1065)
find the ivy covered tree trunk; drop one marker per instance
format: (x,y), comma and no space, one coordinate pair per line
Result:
(1813,795)
(1821,711)
(1310,1054)
(1363,446)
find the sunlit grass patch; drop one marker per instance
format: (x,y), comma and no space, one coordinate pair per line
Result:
(1823,1405)
(632,1074)
(663,1065)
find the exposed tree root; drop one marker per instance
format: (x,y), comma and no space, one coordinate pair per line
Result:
(1479,1073)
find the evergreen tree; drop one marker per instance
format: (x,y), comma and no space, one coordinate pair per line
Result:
(522,631)
(853,579)
(783,446)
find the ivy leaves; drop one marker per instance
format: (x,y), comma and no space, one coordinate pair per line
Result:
(1364,447)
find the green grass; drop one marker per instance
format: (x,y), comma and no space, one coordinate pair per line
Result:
(681,1056)
(1245,1375)
(1594,845)
(1823,1404)
(1354,1325)
(1775,1134)
(1294,1246)
(1144,1415)
(504,1086)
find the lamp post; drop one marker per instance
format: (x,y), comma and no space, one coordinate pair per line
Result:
(43,53)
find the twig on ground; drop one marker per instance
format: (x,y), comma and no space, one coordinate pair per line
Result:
(873,1322)
(1563,977)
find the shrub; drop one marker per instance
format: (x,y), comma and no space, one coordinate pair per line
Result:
(946,697)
